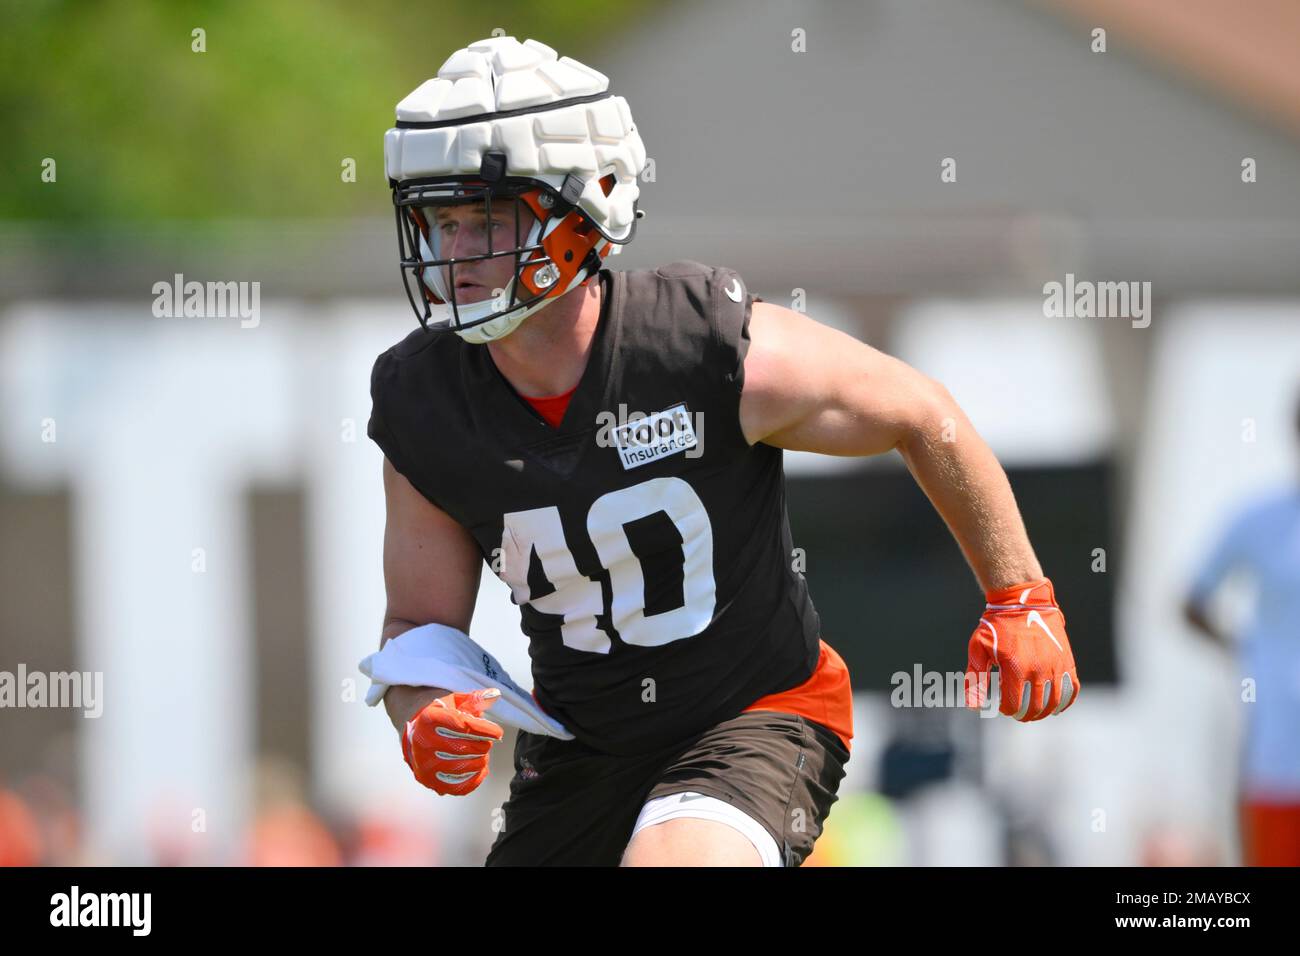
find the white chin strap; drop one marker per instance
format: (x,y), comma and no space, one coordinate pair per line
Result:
(502,326)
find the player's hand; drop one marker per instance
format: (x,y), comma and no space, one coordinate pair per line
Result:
(446,744)
(1023,633)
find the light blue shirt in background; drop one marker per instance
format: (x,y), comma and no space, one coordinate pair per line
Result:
(1263,541)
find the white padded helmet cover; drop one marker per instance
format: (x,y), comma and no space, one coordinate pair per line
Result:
(498,74)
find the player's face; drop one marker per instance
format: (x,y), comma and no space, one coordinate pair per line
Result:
(466,230)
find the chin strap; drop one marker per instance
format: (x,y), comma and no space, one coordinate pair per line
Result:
(500,327)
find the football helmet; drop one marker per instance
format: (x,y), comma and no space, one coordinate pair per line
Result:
(538,151)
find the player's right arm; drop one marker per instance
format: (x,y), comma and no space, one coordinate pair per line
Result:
(431,576)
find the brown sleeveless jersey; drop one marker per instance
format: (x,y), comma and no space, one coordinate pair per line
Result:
(650,556)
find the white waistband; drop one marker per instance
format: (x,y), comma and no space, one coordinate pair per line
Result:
(692,804)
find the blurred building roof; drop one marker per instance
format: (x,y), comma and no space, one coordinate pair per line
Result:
(1248,52)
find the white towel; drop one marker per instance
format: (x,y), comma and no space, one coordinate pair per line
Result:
(434,655)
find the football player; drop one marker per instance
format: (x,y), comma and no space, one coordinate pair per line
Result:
(610,444)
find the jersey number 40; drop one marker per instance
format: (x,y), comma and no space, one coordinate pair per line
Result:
(579,599)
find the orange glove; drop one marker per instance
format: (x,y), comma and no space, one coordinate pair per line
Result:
(1023,633)
(446,744)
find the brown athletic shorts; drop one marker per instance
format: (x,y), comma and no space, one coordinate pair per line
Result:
(570,805)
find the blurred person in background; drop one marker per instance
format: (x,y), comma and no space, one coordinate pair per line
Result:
(1262,541)
(62,827)
(40,825)
(379,838)
(285,830)
(20,836)
(1174,843)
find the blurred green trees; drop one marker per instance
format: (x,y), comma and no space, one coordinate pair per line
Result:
(142,128)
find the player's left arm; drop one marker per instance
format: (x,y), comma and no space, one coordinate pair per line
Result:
(808,387)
